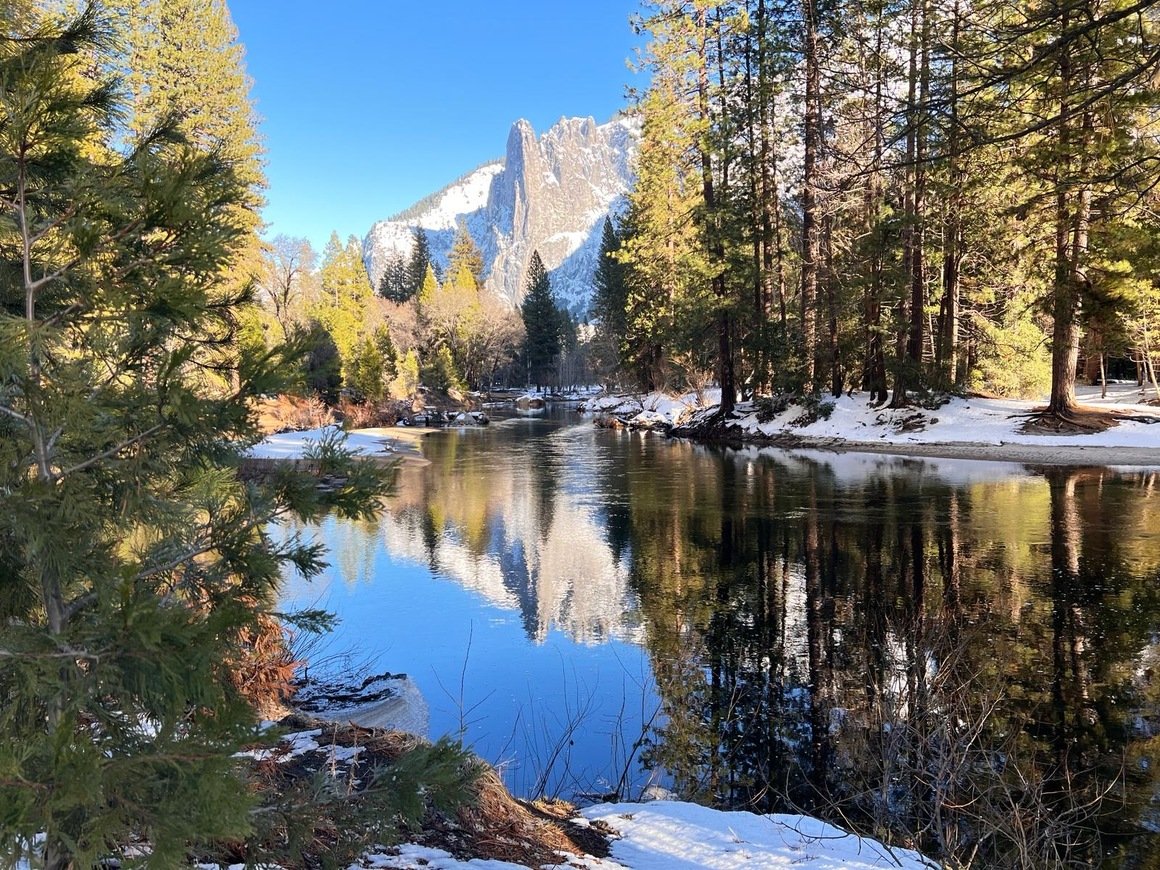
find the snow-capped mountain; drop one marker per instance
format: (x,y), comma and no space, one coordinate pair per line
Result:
(549,194)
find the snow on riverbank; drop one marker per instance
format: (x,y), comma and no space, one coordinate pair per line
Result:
(382,443)
(970,420)
(296,445)
(979,427)
(670,835)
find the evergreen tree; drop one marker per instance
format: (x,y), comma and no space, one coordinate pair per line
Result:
(542,323)
(663,251)
(373,366)
(406,381)
(441,374)
(418,263)
(386,347)
(345,297)
(609,302)
(321,363)
(465,256)
(367,371)
(183,61)
(428,287)
(133,559)
(393,284)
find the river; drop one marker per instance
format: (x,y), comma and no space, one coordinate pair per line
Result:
(958,656)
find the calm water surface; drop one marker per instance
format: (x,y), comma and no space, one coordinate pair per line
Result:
(959,656)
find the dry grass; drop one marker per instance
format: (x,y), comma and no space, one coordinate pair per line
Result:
(265,672)
(492,825)
(371,415)
(293,414)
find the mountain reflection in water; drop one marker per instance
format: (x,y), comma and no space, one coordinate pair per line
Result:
(957,656)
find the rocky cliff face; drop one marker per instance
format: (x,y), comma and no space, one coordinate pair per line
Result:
(549,194)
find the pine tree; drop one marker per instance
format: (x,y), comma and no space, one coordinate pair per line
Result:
(418,263)
(345,297)
(183,61)
(428,287)
(542,323)
(133,559)
(669,308)
(393,284)
(368,370)
(609,302)
(465,256)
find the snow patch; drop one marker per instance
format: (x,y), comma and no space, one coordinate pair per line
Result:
(299,445)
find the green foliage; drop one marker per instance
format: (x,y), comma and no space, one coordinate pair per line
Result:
(609,303)
(428,286)
(663,243)
(394,285)
(133,558)
(440,373)
(418,264)
(345,298)
(1013,361)
(368,369)
(373,366)
(321,365)
(405,384)
(465,257)
(543,323)
(956,157)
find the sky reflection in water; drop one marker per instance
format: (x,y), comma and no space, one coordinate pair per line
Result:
(804,630)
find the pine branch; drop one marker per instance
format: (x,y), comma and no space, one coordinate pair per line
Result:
(112,451)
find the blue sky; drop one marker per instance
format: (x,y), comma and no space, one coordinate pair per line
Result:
(369,105)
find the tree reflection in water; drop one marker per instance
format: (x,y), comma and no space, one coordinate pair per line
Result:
(945,655)
(897,653)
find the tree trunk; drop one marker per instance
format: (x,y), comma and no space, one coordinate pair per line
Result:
(756,159)
(948,330)
(834,348)
(1070,245)
(811,137)
(713,230)
(914,252)
(874,379)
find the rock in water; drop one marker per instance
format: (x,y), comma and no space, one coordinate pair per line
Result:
(390,701)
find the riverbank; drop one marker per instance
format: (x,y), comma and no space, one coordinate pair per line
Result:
(672,835)
(1123,433)
(386,443)
(497,832)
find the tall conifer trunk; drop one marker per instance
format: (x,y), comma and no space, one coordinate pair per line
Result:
(713,229)
(811,139)
(948,324)
(1071,229)
(914,254)
(874,377)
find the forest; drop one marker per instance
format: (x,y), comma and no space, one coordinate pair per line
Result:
(895,197)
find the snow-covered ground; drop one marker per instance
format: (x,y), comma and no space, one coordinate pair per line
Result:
(969,426)
(383,443)
(670,835)
(296,445)
(974,421)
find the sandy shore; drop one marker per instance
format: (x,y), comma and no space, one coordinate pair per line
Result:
(405,442)
(1027,454)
